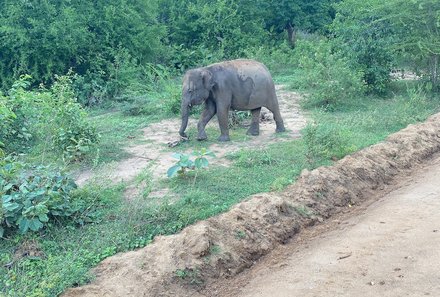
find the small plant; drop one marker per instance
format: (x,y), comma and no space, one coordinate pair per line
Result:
(31,196)
(185,163)
(215,250)
(192,276)
(326,142)
(249,159)
(303,211)
(240,234)
(237,118)
(280,183)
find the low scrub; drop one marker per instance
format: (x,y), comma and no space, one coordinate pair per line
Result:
(49,119)
(327,76)
(33,196)
(326,142)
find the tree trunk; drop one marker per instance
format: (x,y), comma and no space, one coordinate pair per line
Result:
(291,34)
(433,69)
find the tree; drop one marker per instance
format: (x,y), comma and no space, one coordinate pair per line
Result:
(417,24)
(224,26)
(47,37)
(361,36)
(379,33)
(292,15)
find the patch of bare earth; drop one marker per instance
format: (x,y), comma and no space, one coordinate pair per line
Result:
(193,262)
(388,248)
(154,154)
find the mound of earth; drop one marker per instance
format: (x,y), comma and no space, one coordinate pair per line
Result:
(223,246)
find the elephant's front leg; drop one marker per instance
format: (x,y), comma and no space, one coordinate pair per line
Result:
(222,115)
(207,115)
(254,129)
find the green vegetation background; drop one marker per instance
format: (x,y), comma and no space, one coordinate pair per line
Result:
(78,80)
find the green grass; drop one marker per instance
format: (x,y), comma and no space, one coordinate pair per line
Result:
(68,252)
(118,127)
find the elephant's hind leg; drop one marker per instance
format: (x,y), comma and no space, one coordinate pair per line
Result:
(254,129)
(277,117)
(207,115)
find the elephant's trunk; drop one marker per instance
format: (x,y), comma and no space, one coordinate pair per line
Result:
(185,115)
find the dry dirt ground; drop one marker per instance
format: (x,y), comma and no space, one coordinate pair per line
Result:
(392,249)
(154,154)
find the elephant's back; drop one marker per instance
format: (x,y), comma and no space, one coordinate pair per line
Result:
(247,69)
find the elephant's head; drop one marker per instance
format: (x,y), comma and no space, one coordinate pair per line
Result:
(197,84)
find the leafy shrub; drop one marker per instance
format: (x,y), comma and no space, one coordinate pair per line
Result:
(328,77)
(366,35)
(32,196)
(325,143)
(52,119)
(184,163)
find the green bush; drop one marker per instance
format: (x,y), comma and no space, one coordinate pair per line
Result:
(95,41)
(49,119)
(33,196)
(367,36)
(278,58)
(326,142)
(328,77)
(6,119)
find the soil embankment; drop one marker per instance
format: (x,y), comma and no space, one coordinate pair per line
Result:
(390,249)
(225,245)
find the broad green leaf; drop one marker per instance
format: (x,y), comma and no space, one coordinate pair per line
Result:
(173,170)
(11,206)
(198,163)
(43,218)
(211,154)
(35,224)
(205,162)
(23,225)
(176,156)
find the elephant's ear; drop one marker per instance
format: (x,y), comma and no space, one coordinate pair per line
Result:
(208,81)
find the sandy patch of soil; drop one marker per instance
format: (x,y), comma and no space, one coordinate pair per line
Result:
(154,154)
(223,246)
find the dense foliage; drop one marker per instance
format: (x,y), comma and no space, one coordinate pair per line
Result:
(45,38)
(50,120)
(328,77)
(380,35)
(116,46)
(33,197)
(80,80)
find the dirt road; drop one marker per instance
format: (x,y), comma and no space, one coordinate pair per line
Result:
(389,248)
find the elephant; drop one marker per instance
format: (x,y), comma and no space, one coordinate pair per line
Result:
(238,85)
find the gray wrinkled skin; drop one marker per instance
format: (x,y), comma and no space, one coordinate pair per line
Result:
(237,85)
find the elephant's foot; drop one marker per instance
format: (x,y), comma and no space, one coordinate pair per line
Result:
(254,131)
(224,138)
(202,136)
(280,128)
